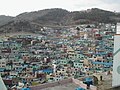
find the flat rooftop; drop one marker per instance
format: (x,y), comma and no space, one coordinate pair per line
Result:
(106,84)
(69,86)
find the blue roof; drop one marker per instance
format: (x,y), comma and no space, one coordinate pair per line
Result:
(2,69)
(108,64)
(19,69)
(25,89)
(47,70)
(100,53)
(24,65)
(103,63)
(79,88)
(88,79)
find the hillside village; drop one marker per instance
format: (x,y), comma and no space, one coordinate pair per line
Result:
(54,55)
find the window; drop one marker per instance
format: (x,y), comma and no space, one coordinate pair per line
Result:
(3,62)
(13,82)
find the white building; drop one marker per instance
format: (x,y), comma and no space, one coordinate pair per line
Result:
(3,63)
(116,59)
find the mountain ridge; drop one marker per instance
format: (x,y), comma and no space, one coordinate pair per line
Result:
(5,19)
(57,17)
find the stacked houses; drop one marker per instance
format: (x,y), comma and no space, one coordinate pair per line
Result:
(56,54)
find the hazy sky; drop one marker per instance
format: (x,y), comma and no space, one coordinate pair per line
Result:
(15,7)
